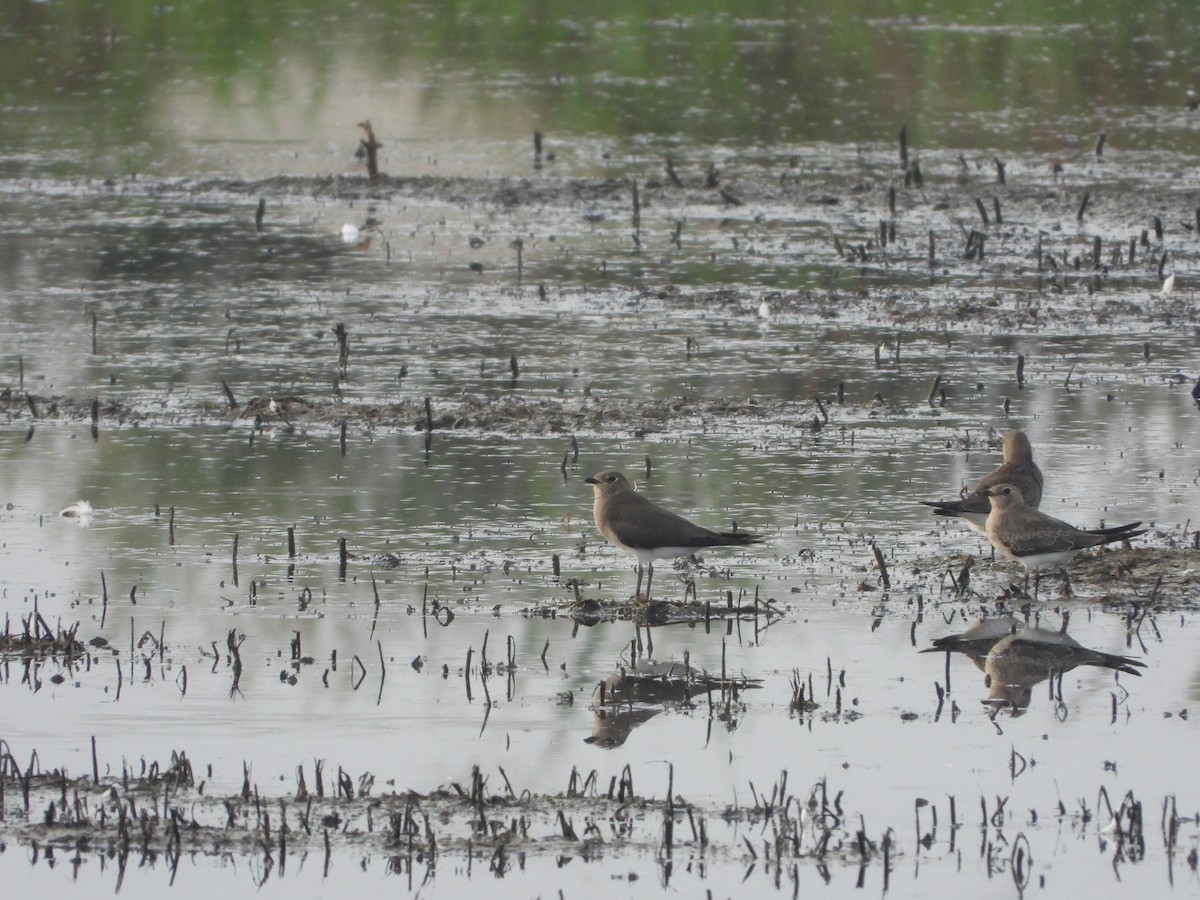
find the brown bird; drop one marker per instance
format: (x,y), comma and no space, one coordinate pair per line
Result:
(639,526)
(1018,469)
(1038,541)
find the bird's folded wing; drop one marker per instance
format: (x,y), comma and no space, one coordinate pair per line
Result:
(645,526)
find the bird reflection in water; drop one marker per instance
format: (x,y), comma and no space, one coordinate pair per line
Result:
(640,691)
(1015,657)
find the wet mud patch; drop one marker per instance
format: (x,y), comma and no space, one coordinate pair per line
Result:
(163,815)
(1164,578)
(473,414)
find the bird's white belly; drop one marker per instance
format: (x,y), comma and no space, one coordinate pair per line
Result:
(646,557)
(1039,562)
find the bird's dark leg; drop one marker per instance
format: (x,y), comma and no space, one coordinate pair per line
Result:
(649,578)
(638,590)
(1037,580)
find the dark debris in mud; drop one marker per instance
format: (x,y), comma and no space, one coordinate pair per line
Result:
(167,812)
(37,640)
(1036,259)
(1161,577)
(591,611)
(162,815)
(506,414)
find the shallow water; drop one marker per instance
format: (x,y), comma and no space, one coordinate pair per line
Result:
(147,292)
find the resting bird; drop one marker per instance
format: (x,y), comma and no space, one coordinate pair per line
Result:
(641,527)
(1018,469)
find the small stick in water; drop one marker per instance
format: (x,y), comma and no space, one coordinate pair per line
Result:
(996,210)
(343,339)
(291,538)
(982,211)
(637,216)
(1020,370)
(1100,144)
(1096,252)
(259,213)
(937,381)
(1087,195)
(999,169)
(369,147)
(671,174)
(883,572)
(229,394)
(904,146)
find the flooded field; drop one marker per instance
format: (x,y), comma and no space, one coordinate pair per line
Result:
(335,615)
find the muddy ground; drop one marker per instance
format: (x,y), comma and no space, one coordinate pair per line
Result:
(1058,253)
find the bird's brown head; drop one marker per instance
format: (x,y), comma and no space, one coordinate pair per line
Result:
(1005,495)
(1017,447)
(607,483)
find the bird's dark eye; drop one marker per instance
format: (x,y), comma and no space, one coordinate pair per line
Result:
(610,478)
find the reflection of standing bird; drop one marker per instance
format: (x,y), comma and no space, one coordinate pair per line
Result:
(611,727)
(1017,662)
(1015,657)
(1018,469)
(978,640)
(641,527)
(648,682)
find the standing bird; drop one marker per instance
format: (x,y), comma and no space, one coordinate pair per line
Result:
(1018,469)
(1038,541)
(641,527)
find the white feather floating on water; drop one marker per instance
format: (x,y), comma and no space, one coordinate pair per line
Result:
(80,509)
